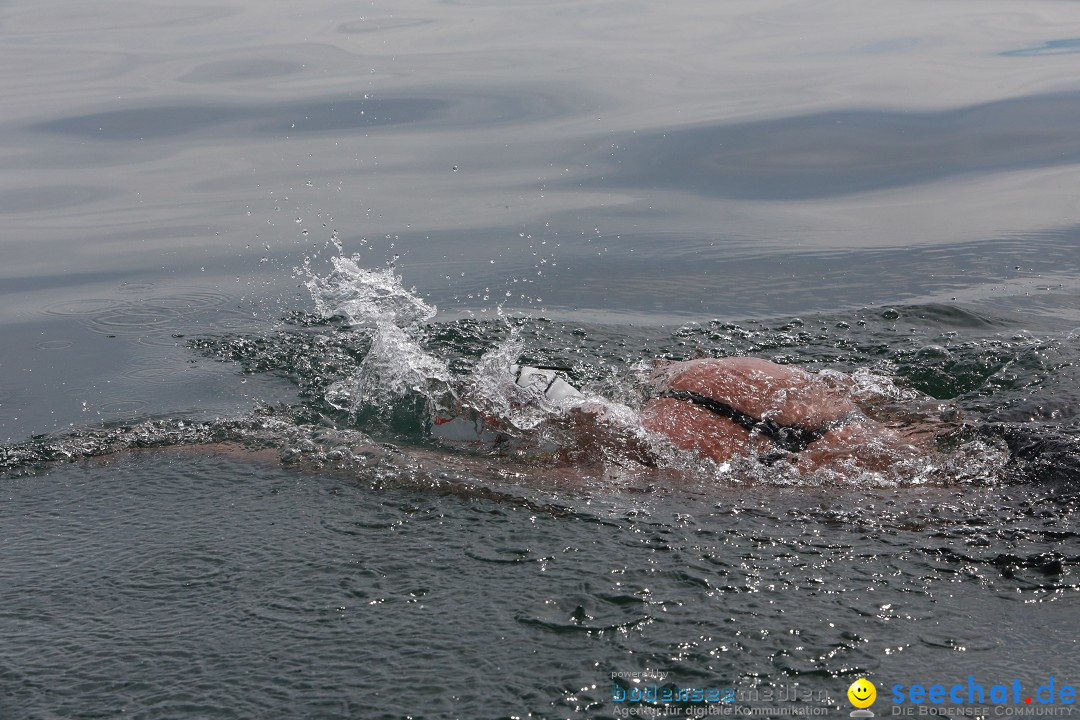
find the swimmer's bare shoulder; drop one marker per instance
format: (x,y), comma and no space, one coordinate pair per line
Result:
(760,388)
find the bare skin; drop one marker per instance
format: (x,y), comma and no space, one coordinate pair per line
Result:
(789,396)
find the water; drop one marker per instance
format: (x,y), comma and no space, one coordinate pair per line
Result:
(246,247)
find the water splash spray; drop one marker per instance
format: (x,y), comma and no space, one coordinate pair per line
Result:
(375,302)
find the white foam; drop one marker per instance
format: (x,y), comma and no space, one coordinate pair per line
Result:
(377,303)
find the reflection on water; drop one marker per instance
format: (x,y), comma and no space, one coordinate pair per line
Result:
(852,151)
(342,115)
(1050,47)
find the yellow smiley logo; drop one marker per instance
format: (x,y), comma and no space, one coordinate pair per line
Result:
(862,693)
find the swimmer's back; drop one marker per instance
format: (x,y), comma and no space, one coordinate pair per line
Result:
(760,388)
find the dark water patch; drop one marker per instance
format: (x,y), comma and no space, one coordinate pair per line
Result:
(142,123)
(1042,450)
(983,368)
(851,151)
(578,618)
(169,121)
(939,316)
(241,70)
(311,359)
(666,276)
(1066,46)
(1062,407)
(343,114)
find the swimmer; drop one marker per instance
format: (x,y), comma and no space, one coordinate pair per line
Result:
(721,409)
(717,409)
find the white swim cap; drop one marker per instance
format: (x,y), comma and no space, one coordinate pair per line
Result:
(469,427)
(546,381)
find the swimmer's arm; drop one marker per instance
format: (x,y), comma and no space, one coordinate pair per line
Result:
(869,444)
(596,436)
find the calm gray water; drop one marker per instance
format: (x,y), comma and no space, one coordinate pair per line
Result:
(882,187)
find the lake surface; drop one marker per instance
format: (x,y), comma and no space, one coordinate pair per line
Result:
(885,189)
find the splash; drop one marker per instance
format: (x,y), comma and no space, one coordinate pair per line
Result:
(373,359)
(394,319)
(376,303)
(493,391)
(365,297)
